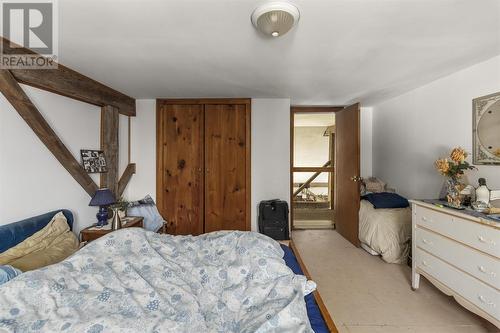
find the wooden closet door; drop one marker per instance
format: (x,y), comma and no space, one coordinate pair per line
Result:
(227,157)
(180,167)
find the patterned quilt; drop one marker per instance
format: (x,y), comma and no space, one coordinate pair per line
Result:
(134,280)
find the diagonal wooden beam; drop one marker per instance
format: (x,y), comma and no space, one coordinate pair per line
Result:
(310,180)
(67,82)
(125,178)
(28,111)
(109,143)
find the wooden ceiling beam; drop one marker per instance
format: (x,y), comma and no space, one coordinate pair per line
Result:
(67,82)
(125,178)
(110,146)
(13,92)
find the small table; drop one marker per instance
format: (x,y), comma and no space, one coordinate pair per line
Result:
(92,233)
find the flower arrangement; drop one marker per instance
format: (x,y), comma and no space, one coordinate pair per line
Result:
(454,166)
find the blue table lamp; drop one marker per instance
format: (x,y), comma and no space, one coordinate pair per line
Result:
(102,198)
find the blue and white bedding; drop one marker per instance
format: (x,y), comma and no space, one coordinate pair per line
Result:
(138,281)
(7,273)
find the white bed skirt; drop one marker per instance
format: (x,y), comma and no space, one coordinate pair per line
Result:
(385,231)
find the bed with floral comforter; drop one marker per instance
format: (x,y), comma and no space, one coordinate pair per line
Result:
(133,280)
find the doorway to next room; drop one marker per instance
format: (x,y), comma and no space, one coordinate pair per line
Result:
(325,169)
(312,166)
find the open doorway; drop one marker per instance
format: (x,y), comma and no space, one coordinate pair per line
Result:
(325,169)
(312,167)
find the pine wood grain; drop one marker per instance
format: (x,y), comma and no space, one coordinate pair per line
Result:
(180,179)
(226,167)
(110,146)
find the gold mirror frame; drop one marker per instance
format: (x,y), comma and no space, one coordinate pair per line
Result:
(481,155)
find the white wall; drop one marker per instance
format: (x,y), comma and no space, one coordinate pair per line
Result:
(270,151)
(32,181)
(411,131)
(366,135)
(143,150)
(311,148)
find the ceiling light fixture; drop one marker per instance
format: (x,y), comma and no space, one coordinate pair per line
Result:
(275,18)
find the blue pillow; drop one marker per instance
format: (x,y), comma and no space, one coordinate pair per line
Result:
(386,200)
(7,273)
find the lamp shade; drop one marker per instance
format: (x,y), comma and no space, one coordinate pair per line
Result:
(102,197)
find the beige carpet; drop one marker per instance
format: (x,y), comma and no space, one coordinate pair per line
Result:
(365,294)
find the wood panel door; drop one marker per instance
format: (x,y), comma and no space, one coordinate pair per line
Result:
(347,173)
(227,174)
(180,179)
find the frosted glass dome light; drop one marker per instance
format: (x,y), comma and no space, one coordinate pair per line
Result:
(275,18)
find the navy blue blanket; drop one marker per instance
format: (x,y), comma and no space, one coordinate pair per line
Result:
(315,318)
(386,200)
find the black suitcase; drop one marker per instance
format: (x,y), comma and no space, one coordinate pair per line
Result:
(273,219)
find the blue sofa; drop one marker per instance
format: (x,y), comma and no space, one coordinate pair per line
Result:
(14,233)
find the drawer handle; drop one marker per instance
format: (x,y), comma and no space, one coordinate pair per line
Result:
(483,239)
(425,263)
(425,219)
(482,269)
(425,241)
(485,301)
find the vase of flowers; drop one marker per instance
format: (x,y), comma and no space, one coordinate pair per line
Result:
(454,168)
(121,204)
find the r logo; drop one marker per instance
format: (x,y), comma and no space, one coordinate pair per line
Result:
(29,24)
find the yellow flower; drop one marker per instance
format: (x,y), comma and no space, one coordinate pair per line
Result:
(442,165)
(497,152)
(458,155)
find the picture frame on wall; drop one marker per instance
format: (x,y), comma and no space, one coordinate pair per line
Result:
(93,161)
(486,136)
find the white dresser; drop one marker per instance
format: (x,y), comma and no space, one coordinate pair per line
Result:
(459,254)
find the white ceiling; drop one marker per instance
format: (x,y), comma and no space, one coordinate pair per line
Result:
(341,51)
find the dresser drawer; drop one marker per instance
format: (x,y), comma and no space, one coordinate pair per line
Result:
(478,264)
(483,238)
(473,290)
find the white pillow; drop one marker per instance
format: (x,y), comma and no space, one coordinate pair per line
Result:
(153,221)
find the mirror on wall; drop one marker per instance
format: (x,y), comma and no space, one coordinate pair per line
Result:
(486,129)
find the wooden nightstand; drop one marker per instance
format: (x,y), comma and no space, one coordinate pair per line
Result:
(92,233)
